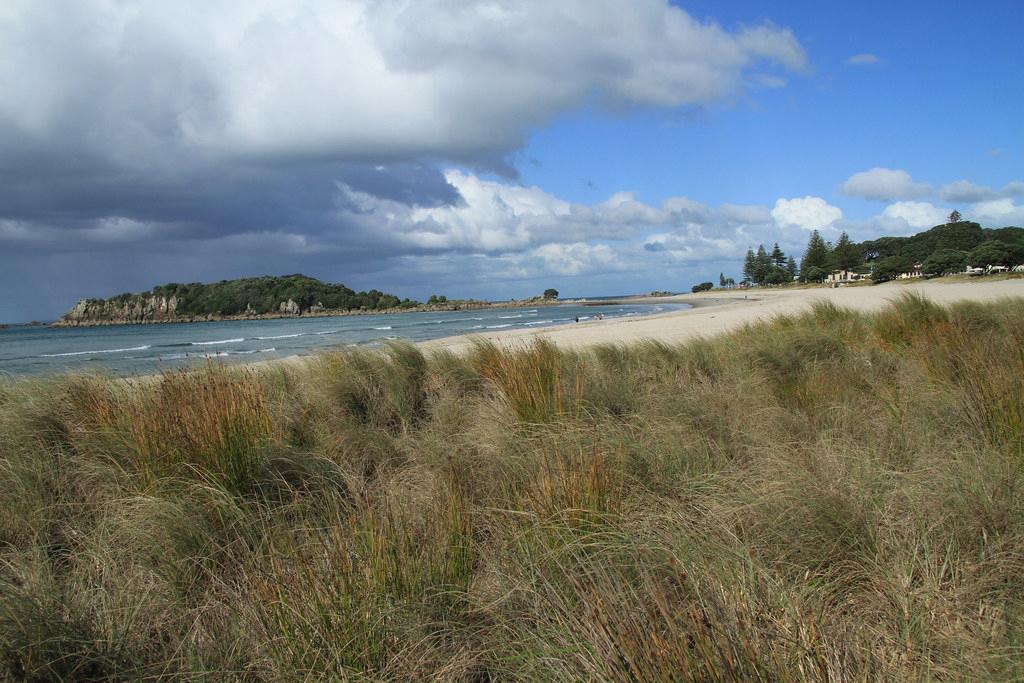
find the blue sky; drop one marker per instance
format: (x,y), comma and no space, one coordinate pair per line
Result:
(487,149)
(944,102)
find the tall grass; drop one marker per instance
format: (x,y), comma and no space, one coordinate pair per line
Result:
(831,496)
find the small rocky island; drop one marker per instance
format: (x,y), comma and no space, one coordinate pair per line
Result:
(246,299)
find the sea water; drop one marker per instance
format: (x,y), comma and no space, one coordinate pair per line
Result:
(142,349)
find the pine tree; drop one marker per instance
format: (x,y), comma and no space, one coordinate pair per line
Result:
(815,263)
(762,265)
(778,258)
(791,267)
(749,265)
(721,279)
(845,253)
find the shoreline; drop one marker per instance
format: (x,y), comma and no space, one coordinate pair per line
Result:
(713,314)
(710,314)
(718,312)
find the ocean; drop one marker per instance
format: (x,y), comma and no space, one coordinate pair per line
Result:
(143,349)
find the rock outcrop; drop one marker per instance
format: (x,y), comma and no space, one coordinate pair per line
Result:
(130,310)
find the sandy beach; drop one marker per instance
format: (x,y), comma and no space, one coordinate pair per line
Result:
(721,311)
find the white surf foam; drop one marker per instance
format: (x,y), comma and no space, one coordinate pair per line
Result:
(87,353)
(283,336)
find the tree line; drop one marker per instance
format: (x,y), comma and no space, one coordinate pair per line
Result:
(266,294)
(944,249)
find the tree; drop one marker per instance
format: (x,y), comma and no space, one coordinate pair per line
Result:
(816,261)
(721,279)
(778,258)
(961,236)
(812,274)
(954,217)
(791,267)
(749,265)
(702,287)
(991,253)
(762,265)
(845,254)
(890,267)
(550,293)
(945,261)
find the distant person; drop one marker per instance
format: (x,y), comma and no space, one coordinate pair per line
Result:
(577,318)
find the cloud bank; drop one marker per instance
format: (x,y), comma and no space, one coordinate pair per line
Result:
(208,140)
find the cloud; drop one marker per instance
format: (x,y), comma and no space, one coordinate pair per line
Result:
(863,59)
(916,214)
(998,211)
(140,83)
(291,133)
(808,213)
(884,184)
(498,217)
(966,191)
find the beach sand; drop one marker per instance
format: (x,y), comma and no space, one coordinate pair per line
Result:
(717,312)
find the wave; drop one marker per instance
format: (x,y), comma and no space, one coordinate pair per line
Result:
(87,353)
(498,327)
(540,322)
(216,354)
(510,317)
(282,336)
(386,327)
(477,327)
(219,341)
(328,332)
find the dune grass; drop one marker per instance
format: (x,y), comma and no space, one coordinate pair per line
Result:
(833,496)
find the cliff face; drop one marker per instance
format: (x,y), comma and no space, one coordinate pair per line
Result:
(152,309)
(161,309)
(157,309)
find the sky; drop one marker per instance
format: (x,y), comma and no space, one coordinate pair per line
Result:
(487,149)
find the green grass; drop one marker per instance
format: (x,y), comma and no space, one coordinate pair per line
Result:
(826,497)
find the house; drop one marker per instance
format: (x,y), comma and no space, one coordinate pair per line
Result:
(975,271)
(1019,269)
(915,272)
(992,270)
(842,277)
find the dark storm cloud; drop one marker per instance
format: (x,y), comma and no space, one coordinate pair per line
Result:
(142,142)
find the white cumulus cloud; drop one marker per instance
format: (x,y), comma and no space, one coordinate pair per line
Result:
(998,212)
(885,184)
(808,212)
(355,80)
(916,214)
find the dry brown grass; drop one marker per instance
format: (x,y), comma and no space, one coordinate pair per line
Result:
(825,497)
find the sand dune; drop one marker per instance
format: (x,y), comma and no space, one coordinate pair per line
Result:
(718,312)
